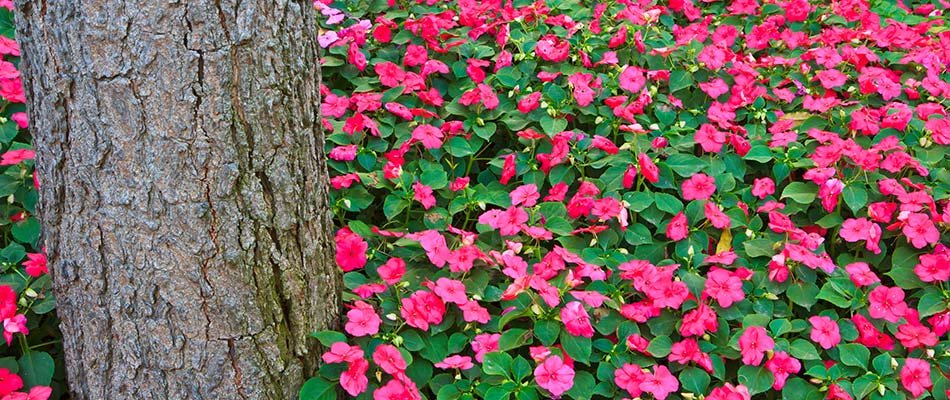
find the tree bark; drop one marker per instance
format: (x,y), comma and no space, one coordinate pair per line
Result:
(183,193)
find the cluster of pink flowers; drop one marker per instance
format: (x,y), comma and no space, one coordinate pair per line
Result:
(639,199)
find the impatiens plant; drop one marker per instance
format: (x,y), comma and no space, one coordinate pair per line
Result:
(31,366)
(638,199)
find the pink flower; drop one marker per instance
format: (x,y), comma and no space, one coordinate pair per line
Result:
(473,312)
(508,170)
(554,376)
(861,274)
(36,264)
(392,270)
(753,344)
(341,352)
(354,380)
(913,335)
(649,170)
(526,195)
(362,320)
(552,48)
(350,250)
(15,324)
(723,286)
(782,366)
(421,309)
(632,79)
(13,157)
(388,357)
(660,384)
(430,136)
(699,187)
(423,194)
(450,290)
(763,187)
(576,320)
(710,138)
(485,343)
(529,103)
(678,227)
(21,119)
(9,382)
(628,377)
(887,303)
(715,216)
(932,267)
(919,230)
(455,362)
(36,393)
(824,331)
(915,376)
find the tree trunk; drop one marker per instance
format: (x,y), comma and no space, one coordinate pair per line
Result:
(183,193)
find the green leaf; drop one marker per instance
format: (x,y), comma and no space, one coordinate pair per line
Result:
(759,248)
(514,338)
(680,79)
(854,354)
(803,350)
(757,379)
(583,386)
(668,203)
(800,192)
(759,153)
(694,380)
(553,126)
(317,388)
(804,294)
(829,294)
(685,164)
(547,331)
(660,346)
(393,206)
(856,197)
(36,368)
(496,363)
(26,231)
(329,337)
(578,347)
(931,303)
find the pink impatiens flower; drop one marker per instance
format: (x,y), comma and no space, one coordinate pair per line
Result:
(423,194)
(455,362)
(554,375)
(782,366)
(753,344)
(724,286)
(430,136)
(660,384)
(763,187)
(887,303)
(920,230)
(915,376)
(350,250)
(576,320)
(485,343)
(35,264)
(13,157)
(699,187)
(824,331)
(678,227)
(362,320)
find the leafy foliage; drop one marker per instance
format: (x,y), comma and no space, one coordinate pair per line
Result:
(584,199)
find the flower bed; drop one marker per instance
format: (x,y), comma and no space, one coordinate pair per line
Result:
(624,199)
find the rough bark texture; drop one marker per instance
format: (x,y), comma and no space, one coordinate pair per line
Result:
(183,193)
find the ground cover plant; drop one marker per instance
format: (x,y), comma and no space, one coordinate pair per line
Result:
(638,199)
(31,365)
